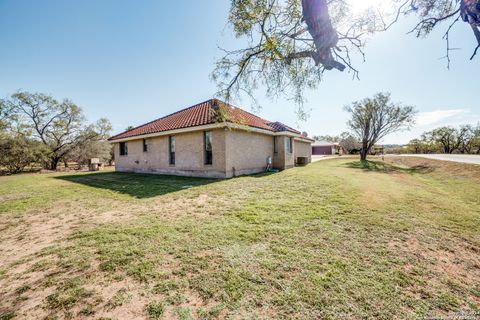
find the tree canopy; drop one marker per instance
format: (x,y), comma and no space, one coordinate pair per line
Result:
(374,118)
(59,125)
(289,44)
(464,139)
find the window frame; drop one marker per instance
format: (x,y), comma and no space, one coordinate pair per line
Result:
(145,145)
(207,154)
(123,149)
(289,144)
(275,144)
(171,154)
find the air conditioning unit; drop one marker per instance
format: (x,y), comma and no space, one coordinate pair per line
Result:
(302,161)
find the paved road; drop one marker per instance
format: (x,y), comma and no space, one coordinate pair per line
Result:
(463,158)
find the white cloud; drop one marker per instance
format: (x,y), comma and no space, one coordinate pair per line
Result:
(425,119)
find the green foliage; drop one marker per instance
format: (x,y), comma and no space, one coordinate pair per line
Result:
(279,52)
(464,139)
(155,310)
(120,298)
(374,118)
(328,138)
(429,11)
(59,125)
(286,48)
(87,310)
(3,115)
(18,152)
(7,315)
(101,149)
(68,295)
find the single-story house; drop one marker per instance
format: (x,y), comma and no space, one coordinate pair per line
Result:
(325,148)
(210,139)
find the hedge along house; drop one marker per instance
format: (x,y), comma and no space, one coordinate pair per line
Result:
(211,139)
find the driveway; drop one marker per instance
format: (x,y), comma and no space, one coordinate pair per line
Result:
(463,158)
(320,158)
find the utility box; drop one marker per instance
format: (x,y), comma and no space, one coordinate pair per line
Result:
(302,161)
(94,164)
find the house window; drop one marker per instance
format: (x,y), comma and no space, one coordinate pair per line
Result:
(275,144)
(123,148)
(208,147)
(171,148)
(145,145)
(289,145)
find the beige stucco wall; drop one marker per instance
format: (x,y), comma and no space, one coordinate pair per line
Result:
(247,152)
(189,155)
(303,149)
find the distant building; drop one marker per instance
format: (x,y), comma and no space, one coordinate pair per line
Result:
(377,150)
(320,148)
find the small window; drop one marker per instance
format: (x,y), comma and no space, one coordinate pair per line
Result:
(171,148)
(208,147)
(123,148)
(275,144)
(145,145)
(289,145)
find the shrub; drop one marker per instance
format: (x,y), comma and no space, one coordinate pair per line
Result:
(18,152)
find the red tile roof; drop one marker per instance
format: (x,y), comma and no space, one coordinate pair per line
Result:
(208,112)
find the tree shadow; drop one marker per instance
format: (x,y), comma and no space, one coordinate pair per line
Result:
(135,184)
(383,167)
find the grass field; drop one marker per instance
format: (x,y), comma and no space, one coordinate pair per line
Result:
(337,239)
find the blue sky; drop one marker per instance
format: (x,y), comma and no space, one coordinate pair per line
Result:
(133,61)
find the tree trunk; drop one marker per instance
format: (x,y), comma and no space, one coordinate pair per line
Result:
(54,163)
(363,155)
(364,150)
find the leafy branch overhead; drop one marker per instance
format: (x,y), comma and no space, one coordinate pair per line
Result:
(288,44)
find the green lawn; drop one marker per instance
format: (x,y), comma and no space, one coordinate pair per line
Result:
(336,239)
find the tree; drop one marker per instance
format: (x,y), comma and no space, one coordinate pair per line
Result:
(328,138)
(416,146)
(3,116)
(476,140)
(349,143)
(374,118)
(446,137)
(94,148)
(289,44)
(466,139)
(60,126)
(91,149)
(18,152)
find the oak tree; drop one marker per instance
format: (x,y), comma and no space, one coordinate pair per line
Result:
(58,125)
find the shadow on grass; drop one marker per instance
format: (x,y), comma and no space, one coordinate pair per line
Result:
(135,184)
(262,174)
(379,166)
